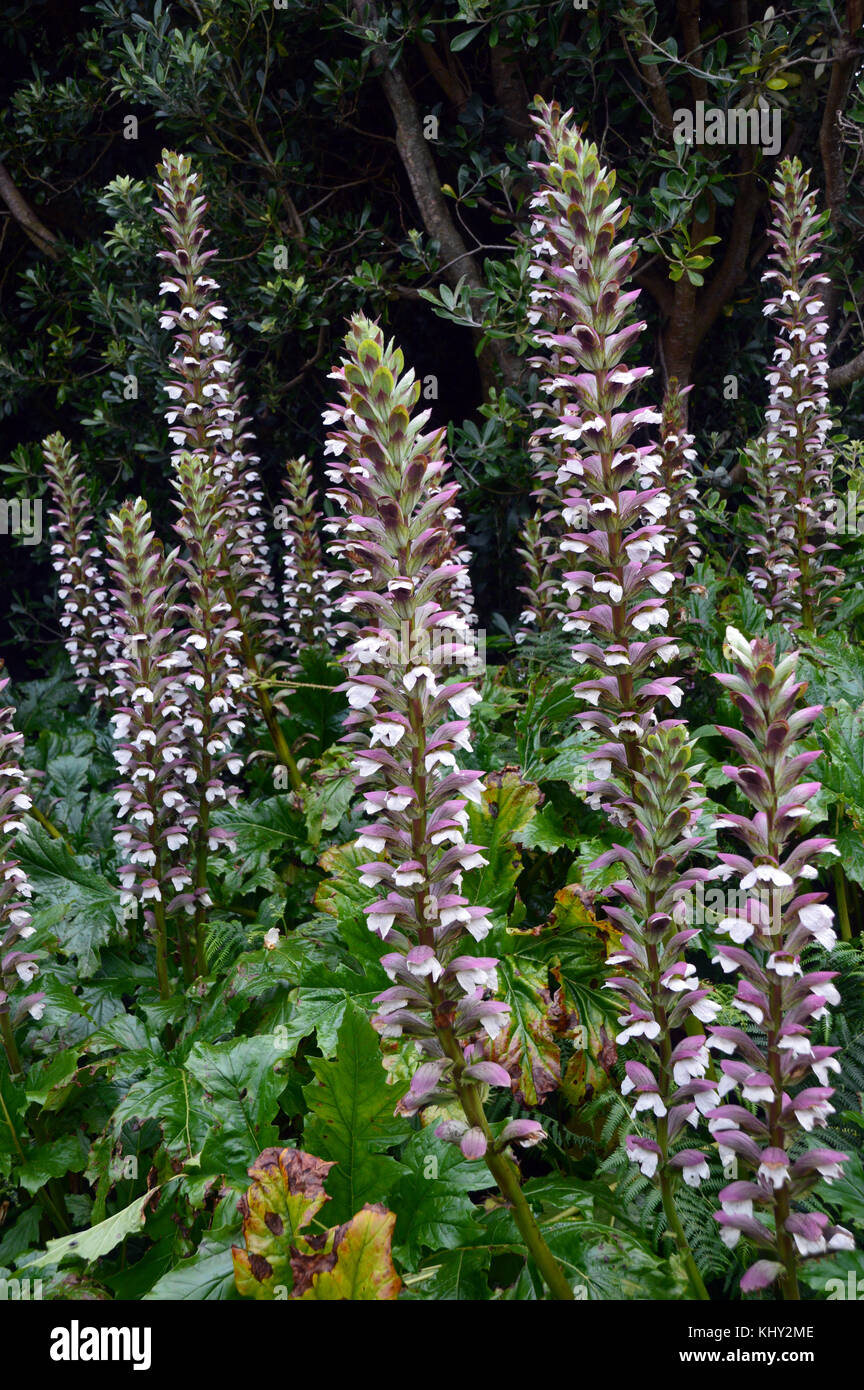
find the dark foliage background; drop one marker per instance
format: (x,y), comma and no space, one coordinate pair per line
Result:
(309,124)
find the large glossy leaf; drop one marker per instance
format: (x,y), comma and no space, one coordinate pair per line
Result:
(240,1088)
(71,898)
(610,1265)
(52,1160)
(205,1276)
(318,1006)
(834,670)
(431,1201)
(454,1276)
(169,1095)
(351,1117)
(271,830)
(509,804)
(841,767)
(329,796)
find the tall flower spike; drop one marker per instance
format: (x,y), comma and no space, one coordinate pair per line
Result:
(658,988)
(676,476)
(18,966)
(544,606)
(213,674)
(250,547)
(615,511)
(409,720)
(205,410)
(776,915)
(772,574)
(205,418)
(86,620)
(798,415)
(150,750)
(309,584)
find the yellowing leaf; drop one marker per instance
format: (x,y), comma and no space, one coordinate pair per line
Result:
(287,1191)
(285,1258)
(361,1267)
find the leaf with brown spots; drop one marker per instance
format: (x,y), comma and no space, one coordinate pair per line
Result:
(282,1257)
(363,1269)
(286,1193)
(527,1047)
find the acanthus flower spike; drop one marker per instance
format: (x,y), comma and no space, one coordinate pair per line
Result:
(778,913)
(544,604)
(676,475)
(798,417)
(409,726)
(659,990)
(153,807)
(213,674)
(204,398)
(19,966)
(309,585)
(205,418)
(89,639)
(772,574)
(614,505)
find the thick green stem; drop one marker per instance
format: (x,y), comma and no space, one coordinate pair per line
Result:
(268,714)
(280,744)
(50,827)
(9,1046)
(840,891)
(673,1221)
(161,936)
(506,1175)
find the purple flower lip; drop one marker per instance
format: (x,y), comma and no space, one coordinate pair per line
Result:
(760,1276)
(524,1132)
(488,1072)
(473,1143)
(824,1161)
